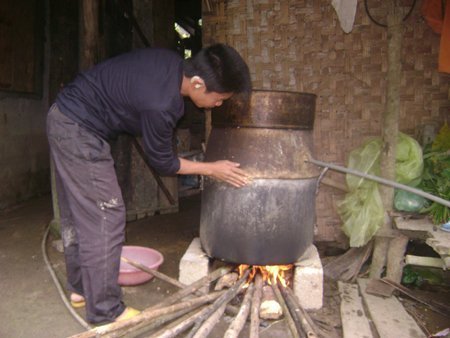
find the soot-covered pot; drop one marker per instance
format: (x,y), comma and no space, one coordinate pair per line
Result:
(270,221)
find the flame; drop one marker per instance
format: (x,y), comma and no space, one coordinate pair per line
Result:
(270,273)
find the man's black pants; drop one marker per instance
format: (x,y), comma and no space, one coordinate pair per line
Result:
(92,215)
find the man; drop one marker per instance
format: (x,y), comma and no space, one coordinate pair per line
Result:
(138,93)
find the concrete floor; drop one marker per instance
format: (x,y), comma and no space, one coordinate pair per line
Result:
(30,303)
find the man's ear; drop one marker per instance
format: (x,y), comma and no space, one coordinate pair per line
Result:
(197,81)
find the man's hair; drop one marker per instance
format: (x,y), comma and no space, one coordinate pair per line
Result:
(222,69)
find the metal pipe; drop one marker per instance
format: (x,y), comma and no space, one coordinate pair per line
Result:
(382,181)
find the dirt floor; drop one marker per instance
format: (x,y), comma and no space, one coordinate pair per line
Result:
(32,307)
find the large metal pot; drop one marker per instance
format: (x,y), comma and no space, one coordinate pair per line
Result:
(270,221)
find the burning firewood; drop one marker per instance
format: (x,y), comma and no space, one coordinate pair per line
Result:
(306,322)
(226,281)
(195,286)
(238,323)
(291,324)
(210,311)
(195,317)
(254,312)
(209,323)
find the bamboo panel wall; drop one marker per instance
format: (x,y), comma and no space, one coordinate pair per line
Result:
(299,46)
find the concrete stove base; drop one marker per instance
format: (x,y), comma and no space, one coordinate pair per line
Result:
(308,273)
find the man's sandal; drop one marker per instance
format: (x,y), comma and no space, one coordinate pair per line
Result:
(77,300)
(128,313)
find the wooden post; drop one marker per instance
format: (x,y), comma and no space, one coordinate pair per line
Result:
(88,33)
(88,45)
(208,125)
(389,130)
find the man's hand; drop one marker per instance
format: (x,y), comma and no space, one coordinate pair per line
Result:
(225,171)
(229,172)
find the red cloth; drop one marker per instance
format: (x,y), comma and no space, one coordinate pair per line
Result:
(437,15)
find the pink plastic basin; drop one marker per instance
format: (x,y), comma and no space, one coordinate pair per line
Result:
(150,258)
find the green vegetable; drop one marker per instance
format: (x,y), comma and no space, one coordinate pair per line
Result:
(436,175)
(417,276)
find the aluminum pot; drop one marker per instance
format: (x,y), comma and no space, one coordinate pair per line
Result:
(270,221)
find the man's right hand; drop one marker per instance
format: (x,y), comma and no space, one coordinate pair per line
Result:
(224,171)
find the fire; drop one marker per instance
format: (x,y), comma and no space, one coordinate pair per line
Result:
(270,273)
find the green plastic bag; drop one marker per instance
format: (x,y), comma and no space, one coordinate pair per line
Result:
(362,211)
(408,201)
(409,161)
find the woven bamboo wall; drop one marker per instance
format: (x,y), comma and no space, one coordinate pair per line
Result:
(299,46)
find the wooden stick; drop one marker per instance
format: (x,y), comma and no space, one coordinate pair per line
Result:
(146,316)
(179,327)
(306,321)
(238,322)
(177,324)
(209,324)
(204,313)
(153,272)
(419,322)
(227,297)
(362,259)
(293,309)
(230,308)
(144,328)
(286,312)
(433,305)
(194,286)
(256,303)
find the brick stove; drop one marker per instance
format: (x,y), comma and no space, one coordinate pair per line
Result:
(307,278)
